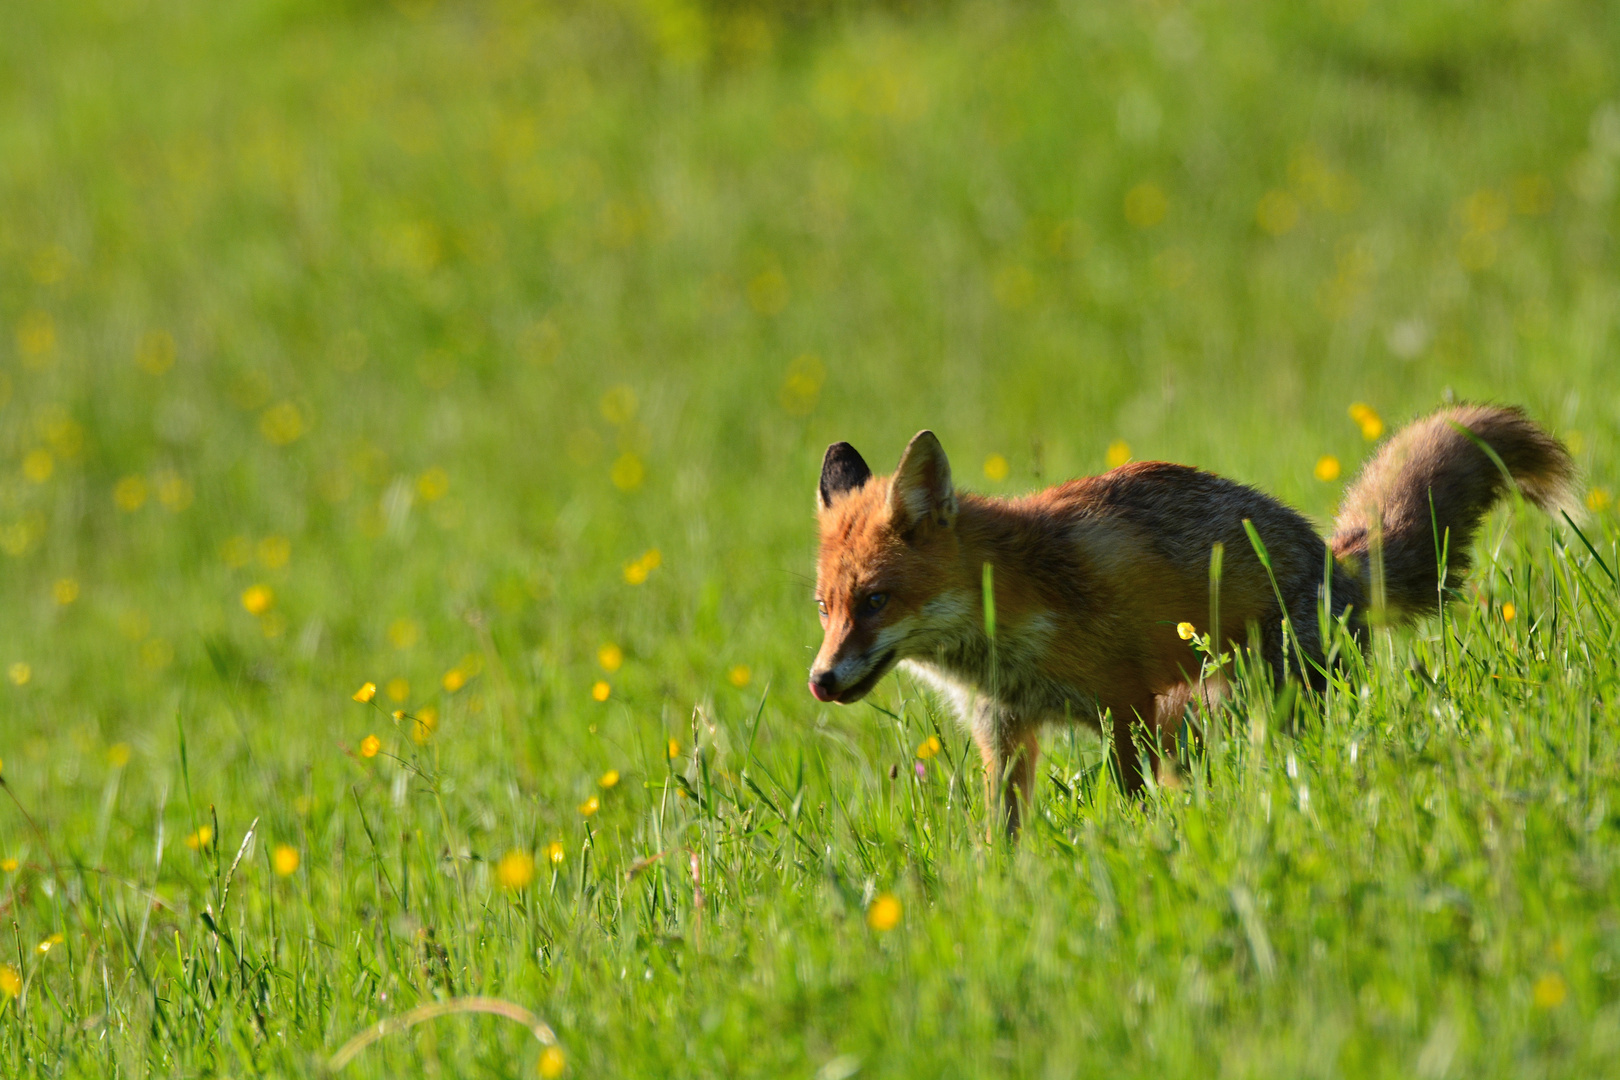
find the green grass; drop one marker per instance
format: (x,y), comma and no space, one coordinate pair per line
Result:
(621,271)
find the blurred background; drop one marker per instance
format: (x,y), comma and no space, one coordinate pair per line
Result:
(372,341)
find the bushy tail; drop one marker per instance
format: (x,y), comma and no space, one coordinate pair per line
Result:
(1432,464)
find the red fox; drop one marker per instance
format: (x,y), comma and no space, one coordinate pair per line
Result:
(1091,578)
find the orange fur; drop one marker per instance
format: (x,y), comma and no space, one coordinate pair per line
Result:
(1092,577)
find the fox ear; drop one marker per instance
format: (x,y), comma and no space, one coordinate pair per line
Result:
(843,469)
(922,491)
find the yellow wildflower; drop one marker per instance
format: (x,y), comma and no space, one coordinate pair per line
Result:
(130,494)
(118,755)
(370,745)
(590,806)
(1371,424)
(552,1063)
(402,633)
(1119,452)
(673,750)
(433,485)
(556,852)
(1549,991)
(600,691)
(1185,631)
(366,692)
(49,943)
(609,778)
(65,591)
(199,839)
(1598,499)
(453,680)
(1508,611)
(1327,468)
(611,657)
(929,747)
(424,724)
(740,676)
(996,467)
(515,870)
(284,860)
(8,865)
(884,914)
(20,673)
(11,983)
(38,466)
(258,599)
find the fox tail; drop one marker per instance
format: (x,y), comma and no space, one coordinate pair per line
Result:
(1431,484)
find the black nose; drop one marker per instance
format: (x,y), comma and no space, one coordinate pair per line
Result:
(823,686)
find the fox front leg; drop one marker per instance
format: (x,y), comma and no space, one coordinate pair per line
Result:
(1009,749)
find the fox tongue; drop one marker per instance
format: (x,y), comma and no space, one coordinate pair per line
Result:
(818,693)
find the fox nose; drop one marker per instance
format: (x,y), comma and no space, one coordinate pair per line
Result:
(824,685)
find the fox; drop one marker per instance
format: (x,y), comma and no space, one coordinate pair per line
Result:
(1091,581)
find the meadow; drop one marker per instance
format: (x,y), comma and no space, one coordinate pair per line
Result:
(410,417)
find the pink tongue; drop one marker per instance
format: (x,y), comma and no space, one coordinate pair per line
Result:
(818,693)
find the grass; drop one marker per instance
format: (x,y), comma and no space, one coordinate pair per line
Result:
(366,343)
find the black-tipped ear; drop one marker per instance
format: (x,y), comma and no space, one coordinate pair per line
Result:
(923,493)
(843,469)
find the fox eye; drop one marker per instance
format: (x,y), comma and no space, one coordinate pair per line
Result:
(821,606)
(876,601)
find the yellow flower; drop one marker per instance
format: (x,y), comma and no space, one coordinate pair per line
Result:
(628,472)
(49,943)
(399,689)
(552,1063)
(20,673)
(515,870)
(600,691)
(366,692)
(996,467)
(609,778)
(636,572)
(1549,991)
(884,914)
(258,599)
(590,806)
(611,657)
(284,860)
(1327,468)
(38,466)
(1508,611)
(929,747)
(1146,205)
(556,852)
(10,981)
(1369,421)
(281,423)
(424,724)
(8,865)
(453,680)
(199,839)
(673,750)
(402,633)
(1185,631)
(274,552)
(118,755)
(1598,499)
(740,676)
(130,494)
(433,485)
(1119,452)
(370,745)
(66,590)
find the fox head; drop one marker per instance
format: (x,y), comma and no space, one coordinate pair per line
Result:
(889,561)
